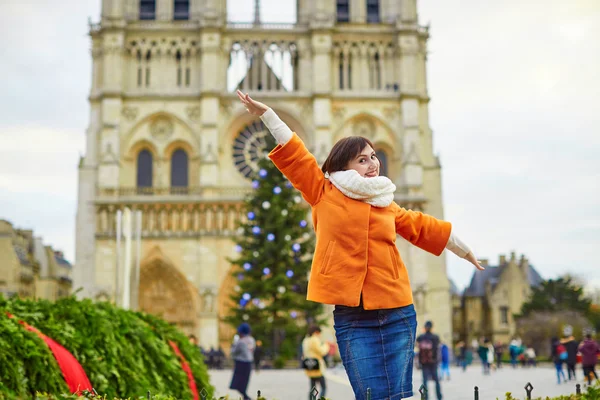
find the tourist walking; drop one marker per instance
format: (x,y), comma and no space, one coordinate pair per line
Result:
(356,265)
(313,351)
(428,344)
(242,352)
(483,353)
(589,357)
(559,356)
(258,355)
(445,362)
(572,347)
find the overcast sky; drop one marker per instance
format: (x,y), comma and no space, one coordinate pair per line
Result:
(515,111)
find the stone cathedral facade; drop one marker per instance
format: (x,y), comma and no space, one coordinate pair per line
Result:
(167,137)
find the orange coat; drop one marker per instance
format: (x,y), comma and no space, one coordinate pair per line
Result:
(356,243)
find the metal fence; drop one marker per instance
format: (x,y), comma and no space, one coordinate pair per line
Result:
(422,390)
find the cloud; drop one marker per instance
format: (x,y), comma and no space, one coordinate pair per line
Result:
(514,112)
(514,109)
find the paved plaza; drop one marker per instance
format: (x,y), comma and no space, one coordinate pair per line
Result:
(293,384)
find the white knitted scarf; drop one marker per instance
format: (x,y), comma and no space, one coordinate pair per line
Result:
(377,191)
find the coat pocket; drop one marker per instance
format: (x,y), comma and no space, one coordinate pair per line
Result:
(327,258)
(394,260)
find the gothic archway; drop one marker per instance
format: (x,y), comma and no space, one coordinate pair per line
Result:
(165,292)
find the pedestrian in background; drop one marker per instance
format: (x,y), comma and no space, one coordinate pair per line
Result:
(313,351)
(242,352)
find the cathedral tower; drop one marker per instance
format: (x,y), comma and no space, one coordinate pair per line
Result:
(167,136)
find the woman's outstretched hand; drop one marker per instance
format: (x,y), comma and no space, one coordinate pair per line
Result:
(471,258)
(252,106)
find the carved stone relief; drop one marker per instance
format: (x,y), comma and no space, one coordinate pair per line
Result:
(162,128)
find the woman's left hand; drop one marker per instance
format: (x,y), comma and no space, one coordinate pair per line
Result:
(471,258)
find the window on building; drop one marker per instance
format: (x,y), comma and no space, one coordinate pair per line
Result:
(178,63)
(181,9)
(147,9)
(144,169)
(373,11)
(383,162)
(148,57)
(343,10)
(179,170)
(139,70)
(504,315)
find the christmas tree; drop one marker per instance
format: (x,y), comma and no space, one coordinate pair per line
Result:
(275,245)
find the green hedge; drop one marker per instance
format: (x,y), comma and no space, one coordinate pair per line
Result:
(124,353)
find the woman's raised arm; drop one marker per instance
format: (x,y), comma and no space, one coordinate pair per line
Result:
(280,131)
(290,156)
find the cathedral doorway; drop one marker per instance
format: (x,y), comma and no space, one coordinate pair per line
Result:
(165,292)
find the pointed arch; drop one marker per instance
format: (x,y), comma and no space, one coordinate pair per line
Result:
(164,291)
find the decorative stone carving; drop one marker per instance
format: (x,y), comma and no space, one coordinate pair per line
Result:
(208,301)
(162,128)
(338,112)
(210,156)
(391,113)
(130,113)
(364,127)
(193,112)
(109,156)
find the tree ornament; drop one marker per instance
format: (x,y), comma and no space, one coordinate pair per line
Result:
(277,190)
(266,271)
(270,320)
(297,199)
(246,296)
(289,273)
(237,288)
(238,248)
(255,184)
(289,185)
(284,212)
(296,247)
(281,289)
(294,314)
(251,215)
(256,230)
(240,277)
(288,237)
(262,173)
(266,205)
(256,254)
(303,223)
(245,317)
(270,237)
(247,266)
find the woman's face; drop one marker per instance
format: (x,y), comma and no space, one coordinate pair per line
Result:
(366,163)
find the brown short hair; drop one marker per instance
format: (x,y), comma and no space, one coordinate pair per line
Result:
(313,329)
(344,151)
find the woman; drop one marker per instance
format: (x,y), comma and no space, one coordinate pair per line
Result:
(356,265)
(242,353)
(558,357)
(314,349)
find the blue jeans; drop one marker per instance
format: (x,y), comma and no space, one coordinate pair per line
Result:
(377,349)
(430,372)
(444,370)
(559,370)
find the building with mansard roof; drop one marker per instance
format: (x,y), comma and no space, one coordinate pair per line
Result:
(28,268)
(168,138)
(487,306)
